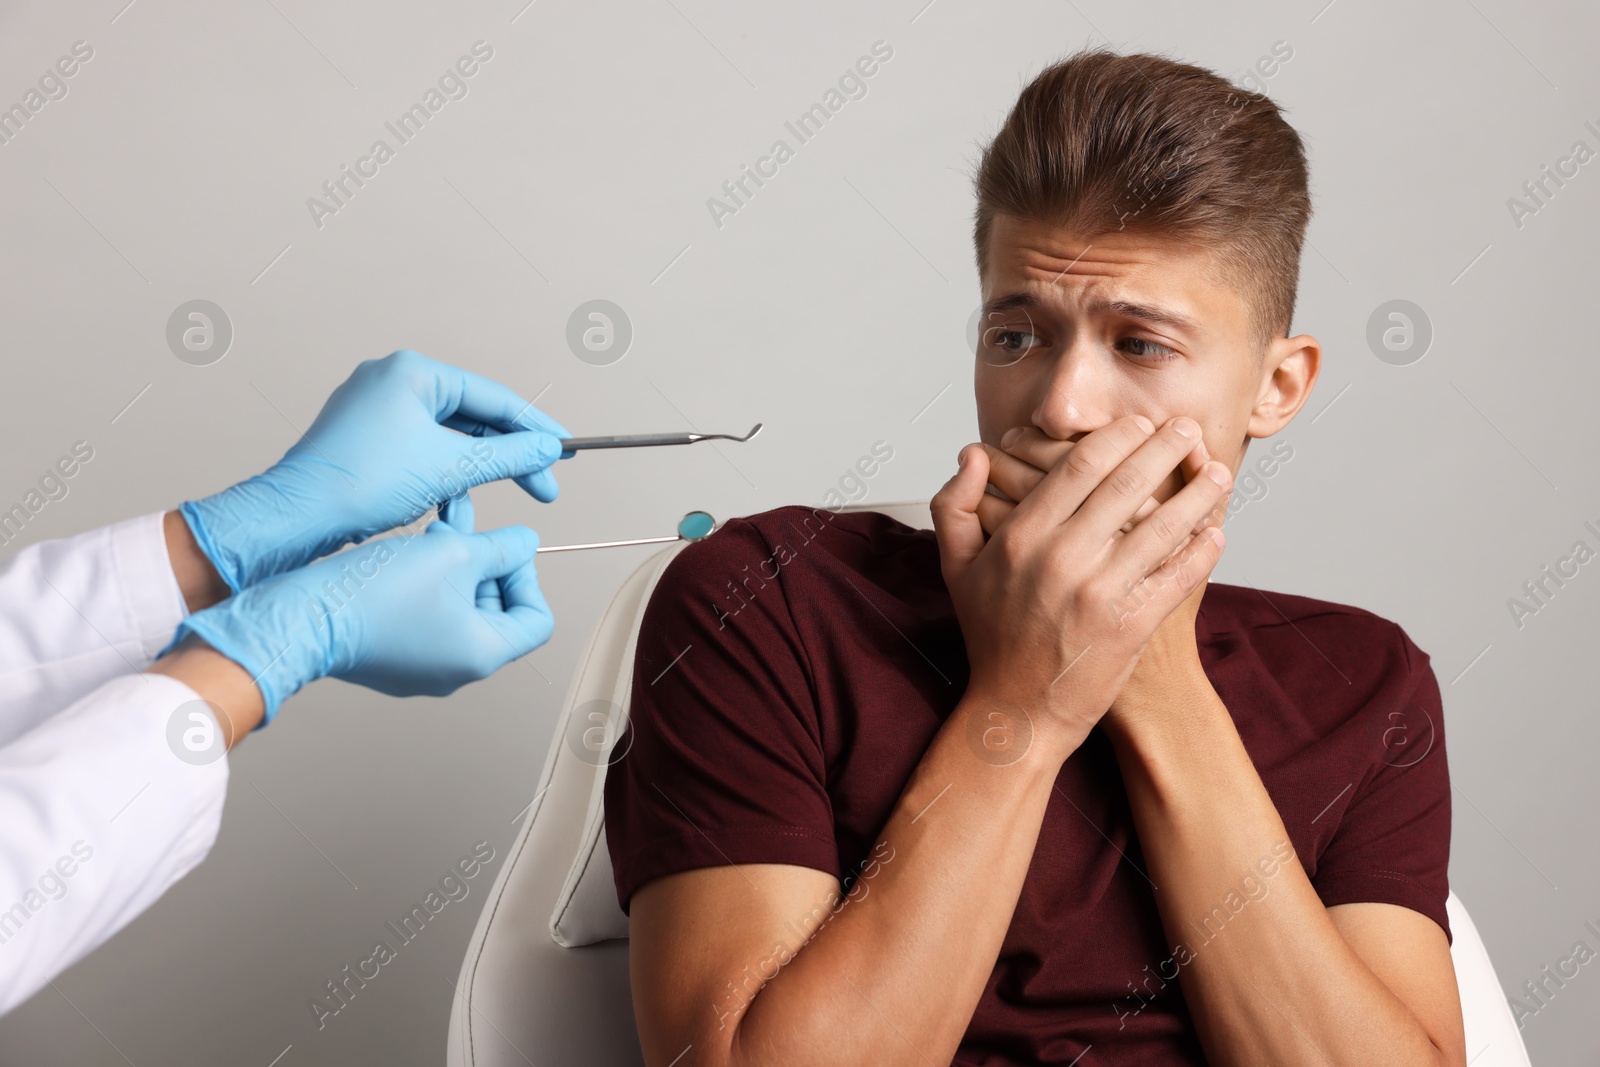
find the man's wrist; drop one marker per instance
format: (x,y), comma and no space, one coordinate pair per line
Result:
(1002,732)
(1170,740)
(1170,705)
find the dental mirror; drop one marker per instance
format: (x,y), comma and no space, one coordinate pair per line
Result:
(695,526)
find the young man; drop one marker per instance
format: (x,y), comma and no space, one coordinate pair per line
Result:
(1028,789)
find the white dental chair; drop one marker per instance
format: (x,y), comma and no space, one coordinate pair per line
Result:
(545,979)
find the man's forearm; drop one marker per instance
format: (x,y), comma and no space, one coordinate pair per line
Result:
(1266,974)
(895,976)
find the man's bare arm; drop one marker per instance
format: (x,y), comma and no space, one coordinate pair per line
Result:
(1286,980)
(894,976)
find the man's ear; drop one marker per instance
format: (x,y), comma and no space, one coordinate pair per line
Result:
(1288,373)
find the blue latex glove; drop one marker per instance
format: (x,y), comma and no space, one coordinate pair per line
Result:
(408,615)
(383,452)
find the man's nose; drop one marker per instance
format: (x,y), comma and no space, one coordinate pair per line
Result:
(1073,396)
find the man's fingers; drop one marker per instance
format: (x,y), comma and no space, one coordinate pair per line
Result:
(1038,449)
(1014,477)
(1080,472)
(956,526)
(1145,511)
(1170,582)
(1030,456)
(992,511)
(1189,469)
(1126,487)
(1193,460)
(1192,465)
(1018,468)
(1155,539)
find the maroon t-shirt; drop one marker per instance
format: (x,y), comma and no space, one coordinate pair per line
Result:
(794,666)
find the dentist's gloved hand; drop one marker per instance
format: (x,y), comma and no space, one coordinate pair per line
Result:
(382,453)
(413,614)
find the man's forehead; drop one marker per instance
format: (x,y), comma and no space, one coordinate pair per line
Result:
(1033,250)
(1055,258)
(1035,264)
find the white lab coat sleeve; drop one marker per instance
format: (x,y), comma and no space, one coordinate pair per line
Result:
(98,815)
(98,818)
(79,611)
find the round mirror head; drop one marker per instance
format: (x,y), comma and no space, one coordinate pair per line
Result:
(696,525)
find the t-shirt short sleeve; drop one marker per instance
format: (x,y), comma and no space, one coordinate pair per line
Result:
(1393,843)
(723,757)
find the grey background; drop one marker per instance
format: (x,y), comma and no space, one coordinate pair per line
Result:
(832,307)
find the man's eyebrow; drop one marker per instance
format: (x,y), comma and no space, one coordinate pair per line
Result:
(1149,313)
(1010,302)
(1130,309)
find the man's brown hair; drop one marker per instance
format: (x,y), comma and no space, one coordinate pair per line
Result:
(1100,142)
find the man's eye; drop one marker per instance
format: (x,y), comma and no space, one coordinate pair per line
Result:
(1014,340)
(1002,346)
(1147,349)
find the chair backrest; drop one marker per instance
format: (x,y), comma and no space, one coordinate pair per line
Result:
(524,997)
(1493,1039)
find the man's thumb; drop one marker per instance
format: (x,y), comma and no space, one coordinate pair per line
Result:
(955,512)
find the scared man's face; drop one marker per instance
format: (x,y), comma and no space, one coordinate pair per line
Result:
(1078,332)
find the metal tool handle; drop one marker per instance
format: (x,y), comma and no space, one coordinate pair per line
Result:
(608,544)
(628,440)
(634,440)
